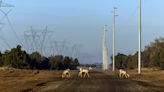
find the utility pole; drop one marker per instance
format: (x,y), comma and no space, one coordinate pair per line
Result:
(114,15)
(139,37)
(104,50)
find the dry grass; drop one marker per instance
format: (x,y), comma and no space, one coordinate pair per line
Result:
(150,75)
(18,80)
(154,76)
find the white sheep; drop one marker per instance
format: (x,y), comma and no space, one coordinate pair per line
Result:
(66,73)
(90,68)
(80,72)
(83,72)
(123,73)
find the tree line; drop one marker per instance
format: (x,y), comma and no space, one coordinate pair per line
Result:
(152,56)
(18,58)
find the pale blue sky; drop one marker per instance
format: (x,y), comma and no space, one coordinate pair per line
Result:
(82,21)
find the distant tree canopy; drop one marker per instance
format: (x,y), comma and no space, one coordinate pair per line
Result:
(18,58)
(126,61)
(152,57)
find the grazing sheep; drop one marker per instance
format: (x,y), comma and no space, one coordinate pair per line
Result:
(66,73)
(83,72)
(90,68)
(80,72)
(123,74)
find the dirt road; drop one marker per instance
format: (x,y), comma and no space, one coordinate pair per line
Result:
(98,82)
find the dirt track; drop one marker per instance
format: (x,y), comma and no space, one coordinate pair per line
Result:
(98,82)
(16,80)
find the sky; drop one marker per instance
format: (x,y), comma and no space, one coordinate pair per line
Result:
(81,22)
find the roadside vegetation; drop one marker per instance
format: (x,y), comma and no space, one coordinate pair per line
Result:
(152,57)
(18,58)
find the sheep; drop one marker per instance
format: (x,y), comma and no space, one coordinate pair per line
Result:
(123,73)
(80,72)
(66,73)
(83,72)
(90,68)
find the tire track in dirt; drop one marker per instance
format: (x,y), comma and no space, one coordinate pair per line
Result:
(100,82)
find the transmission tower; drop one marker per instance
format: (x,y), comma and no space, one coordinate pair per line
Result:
(3,4)
(4,16)
(35,40)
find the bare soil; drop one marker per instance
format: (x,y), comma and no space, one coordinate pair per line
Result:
(16,80)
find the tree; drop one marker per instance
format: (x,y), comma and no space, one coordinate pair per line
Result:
(18,58)
(1,62)
(120,61)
